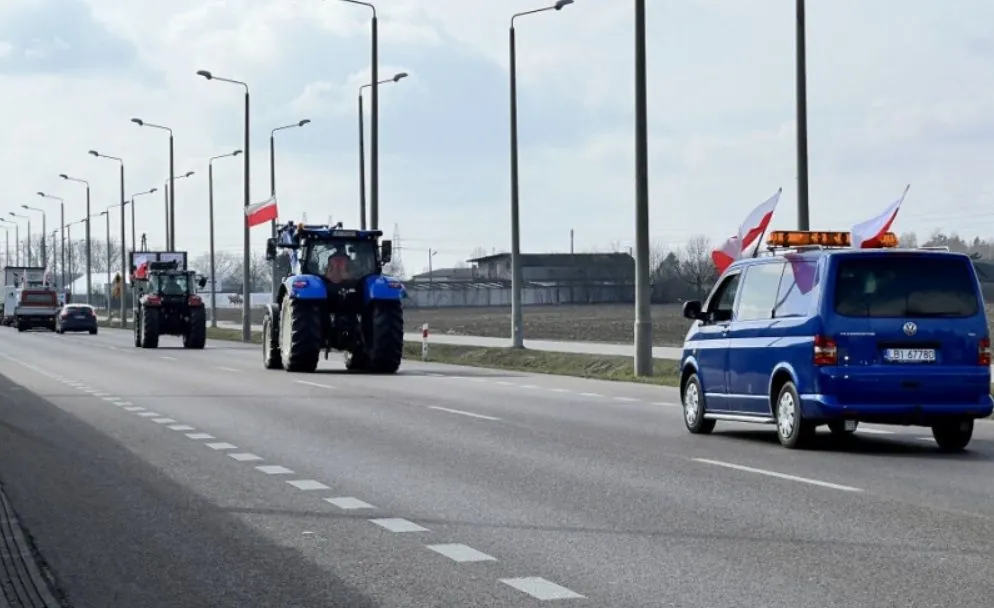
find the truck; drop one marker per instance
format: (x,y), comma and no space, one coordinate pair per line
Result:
(16,277)
(165,299)
(334,297)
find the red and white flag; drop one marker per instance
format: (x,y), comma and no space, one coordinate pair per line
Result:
(867,234)
(747,241)
(260,213)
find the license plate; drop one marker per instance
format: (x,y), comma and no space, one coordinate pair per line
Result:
(80,316)
(849,425)
(910,355)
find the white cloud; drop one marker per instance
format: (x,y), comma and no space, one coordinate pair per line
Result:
(891,102)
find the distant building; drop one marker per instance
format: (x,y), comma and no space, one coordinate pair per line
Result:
(445,274)
(553,268)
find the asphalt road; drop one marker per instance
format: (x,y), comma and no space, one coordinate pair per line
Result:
(169,478)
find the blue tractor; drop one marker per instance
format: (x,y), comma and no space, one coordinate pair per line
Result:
(335,297)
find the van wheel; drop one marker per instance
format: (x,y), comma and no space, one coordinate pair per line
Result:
(793,431)
(694,407)
(953,436)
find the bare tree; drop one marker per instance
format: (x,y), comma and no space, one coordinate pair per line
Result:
(696,266)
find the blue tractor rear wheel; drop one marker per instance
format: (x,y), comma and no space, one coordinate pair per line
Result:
(386,349)
(300,334)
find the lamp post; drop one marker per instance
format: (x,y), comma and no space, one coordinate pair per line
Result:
(801,82)
(374,130)
(643,364)
(106,214)
(133,197)
(89,268)
(210,205)
(17,240)
(6,237)
(28,218)
(124,261)
(272,188)
(362,147)
(44,231)
(62,222)
(168,193)
(517,318)
(69,238)
(171,211)
(246,288)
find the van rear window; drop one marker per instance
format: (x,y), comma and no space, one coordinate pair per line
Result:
(37,297)
(905,286)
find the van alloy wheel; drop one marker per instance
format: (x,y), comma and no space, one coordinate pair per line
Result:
(786,414)
(691,403)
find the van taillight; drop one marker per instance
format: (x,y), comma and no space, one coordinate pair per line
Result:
(984,352)
(826,351)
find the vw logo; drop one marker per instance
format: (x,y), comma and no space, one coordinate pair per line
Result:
(910,328)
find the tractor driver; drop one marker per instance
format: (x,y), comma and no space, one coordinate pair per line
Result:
(171,286)
(338,269)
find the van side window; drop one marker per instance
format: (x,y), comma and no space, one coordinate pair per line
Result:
(759,291)
(798,288)
(723,300)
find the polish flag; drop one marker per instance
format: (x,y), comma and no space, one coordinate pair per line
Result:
(867,234)
(260,213)
(747,241)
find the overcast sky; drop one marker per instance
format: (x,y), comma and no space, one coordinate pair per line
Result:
(900,92)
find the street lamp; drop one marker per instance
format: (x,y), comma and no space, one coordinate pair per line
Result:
(210,205)
(167,193)
(643,364)
(89,269)
(62,222)
(124,270)
(517,320)
(69,238)
(6,235)
(374,130)
(362,148)
(801,82)
(133,197)
(246,261)
(272,187)
(44,230)
(171,211)
(25,217)
(17,241)
(106,214)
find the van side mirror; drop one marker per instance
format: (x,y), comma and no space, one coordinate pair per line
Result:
(270,249)
(386,251)
(693,310)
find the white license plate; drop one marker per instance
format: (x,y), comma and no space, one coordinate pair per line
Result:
(910,355)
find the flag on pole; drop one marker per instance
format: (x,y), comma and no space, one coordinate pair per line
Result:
(749,237)
(260,213)
(866,235)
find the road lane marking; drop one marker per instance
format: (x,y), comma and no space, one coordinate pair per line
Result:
(305,382)
(528,386)
(182,427)
(168,358)
(164,421)
(397,524)
(245,457)
(349,503)
(274,469)
(228,369)
(199,436)
(814,482)
(591,395)
(462,553)
(541,589)
(627,399)
(134,408)
(221,446)
(666,404)
(462,413)
(561,390)
(149,414)
(874,431)
(308,484)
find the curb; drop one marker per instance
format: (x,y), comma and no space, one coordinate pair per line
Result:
(24,580)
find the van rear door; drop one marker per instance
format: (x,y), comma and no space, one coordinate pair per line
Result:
(909,327)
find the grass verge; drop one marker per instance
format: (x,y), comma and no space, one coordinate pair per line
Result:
(619,369)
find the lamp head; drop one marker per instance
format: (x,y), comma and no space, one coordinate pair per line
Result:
(306,121)
(138,121)
(399,76)
(205,74)
(63,176)
(94,153)
(236,152)
(560,4)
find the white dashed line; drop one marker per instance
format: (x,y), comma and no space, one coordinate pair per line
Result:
(200,436)
(111,398)
(308,484)
(274,469)
(305,382)
(124,403)
(666,404)
(561,390)
(503,383)
(164,421)
(626,399)
(541,589)
(462,413)
(182,427)
(349,503)
(168,358)
(462,553)
(245,457)
(814,482)
(134,408)
(221,446)
(397,524)
(149,414)
(228,369)
(528,386)
(591,395)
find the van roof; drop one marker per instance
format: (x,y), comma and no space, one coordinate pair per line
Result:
(813,254)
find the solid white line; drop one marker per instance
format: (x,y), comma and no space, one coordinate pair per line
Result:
(397,524)
(274,469)
(874,431)
(462,553)
(541,589)
(221,446)
(462,413)
(314,384)
(182,427)
(349,503)
(814,482)
(245,457)
(200,436)
(164,421)
(308,484)
(666,404)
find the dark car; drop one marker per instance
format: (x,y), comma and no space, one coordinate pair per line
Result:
(76,317)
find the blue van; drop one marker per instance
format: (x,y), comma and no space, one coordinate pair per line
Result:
(815,336)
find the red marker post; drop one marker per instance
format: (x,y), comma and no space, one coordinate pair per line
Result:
(424,342)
